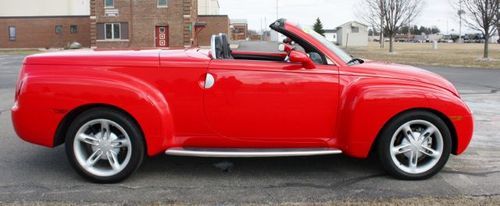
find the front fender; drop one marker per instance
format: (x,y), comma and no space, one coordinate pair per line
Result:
(52,94)
(368,103)
(459,115)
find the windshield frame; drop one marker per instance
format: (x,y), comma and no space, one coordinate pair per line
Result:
(301,37)
(343,55)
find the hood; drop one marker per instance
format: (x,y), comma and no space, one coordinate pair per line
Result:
(406,72)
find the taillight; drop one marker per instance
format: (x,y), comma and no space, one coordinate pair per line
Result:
(20,83)
(18,88)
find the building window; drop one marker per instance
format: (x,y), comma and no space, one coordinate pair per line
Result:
(59,29)
(162,3)
(355,29)
(73,29)
(12,33)
(112,31)
(109,3)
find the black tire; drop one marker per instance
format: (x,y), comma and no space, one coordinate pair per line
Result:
(123,120)
(383,145)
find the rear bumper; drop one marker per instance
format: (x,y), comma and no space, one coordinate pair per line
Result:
(34,125)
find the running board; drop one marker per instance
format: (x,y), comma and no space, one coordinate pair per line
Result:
(223,152)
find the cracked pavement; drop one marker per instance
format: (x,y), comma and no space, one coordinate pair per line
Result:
(33,173)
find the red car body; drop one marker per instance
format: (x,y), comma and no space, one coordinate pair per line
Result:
(253,104)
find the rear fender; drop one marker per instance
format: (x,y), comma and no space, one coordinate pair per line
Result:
(56,94)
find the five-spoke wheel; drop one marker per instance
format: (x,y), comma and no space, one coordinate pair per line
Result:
(105,140)
(414,145)
(104,145)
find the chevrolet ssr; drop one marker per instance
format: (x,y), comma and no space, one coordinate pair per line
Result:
(112,108)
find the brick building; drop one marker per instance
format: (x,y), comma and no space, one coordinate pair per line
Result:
(239,29)
(144,23)
(36,24)
(109,23)
(208,12)
(215,24)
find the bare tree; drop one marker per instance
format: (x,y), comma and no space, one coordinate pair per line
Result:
(399,13)
(498,21)
(390,15)
(372,13)
(481,15)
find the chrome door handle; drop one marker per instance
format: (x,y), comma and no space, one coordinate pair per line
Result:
(209,81)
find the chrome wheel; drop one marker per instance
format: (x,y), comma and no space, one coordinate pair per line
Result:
(102,147)
(416,146)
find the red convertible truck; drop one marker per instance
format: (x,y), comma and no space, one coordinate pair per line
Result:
(111,108)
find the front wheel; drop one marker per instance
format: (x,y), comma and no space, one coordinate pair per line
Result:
(104,145)
(415,145)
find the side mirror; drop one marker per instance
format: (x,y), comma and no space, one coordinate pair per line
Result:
(285,48)
(300,57)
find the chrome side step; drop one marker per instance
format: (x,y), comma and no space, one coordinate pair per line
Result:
(223,152)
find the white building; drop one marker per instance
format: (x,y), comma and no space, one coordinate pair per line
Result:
(44,23)
(352,34)
(208,7)
(9,8)
(331,35)
(494,38)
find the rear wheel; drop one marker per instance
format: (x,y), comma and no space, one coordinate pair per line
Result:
(104,145)
(415,145)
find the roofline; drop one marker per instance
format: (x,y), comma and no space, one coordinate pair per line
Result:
(357,22)
(214,15)
(34,17)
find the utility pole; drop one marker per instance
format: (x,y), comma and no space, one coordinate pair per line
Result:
(261,29)
(382,16)
(275,35)
(277,10)
(447,27)
(460,13)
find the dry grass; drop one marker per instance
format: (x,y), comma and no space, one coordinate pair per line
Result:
(450,55)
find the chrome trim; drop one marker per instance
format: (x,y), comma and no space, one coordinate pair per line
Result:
(242,153)
(212,47)
(209,81)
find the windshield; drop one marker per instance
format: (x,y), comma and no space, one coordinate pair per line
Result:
(330,45)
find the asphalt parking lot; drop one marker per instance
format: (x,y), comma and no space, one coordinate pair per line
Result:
(30,173)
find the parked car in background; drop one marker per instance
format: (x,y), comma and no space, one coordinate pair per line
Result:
(446,39)
(112,108)
(474,38)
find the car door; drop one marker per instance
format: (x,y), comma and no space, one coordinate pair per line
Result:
(271,104)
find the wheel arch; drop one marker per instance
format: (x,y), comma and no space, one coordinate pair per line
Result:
(64,124)
(131,96)
(442,116)
(368,104)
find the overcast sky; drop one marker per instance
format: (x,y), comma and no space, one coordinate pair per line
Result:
(331,12)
